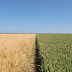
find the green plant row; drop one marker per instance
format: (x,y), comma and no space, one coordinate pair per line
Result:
(56,52)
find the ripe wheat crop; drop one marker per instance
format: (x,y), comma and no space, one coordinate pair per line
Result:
(17,52)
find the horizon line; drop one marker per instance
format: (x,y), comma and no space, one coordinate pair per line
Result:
(35,33)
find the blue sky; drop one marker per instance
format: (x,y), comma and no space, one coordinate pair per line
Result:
(35,16)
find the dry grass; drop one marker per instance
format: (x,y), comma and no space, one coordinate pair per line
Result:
(17,52)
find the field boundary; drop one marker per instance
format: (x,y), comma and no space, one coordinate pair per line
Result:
(37,57)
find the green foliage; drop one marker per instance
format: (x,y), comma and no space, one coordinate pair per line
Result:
(56,51)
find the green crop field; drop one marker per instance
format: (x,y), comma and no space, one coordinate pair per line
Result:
(55,51)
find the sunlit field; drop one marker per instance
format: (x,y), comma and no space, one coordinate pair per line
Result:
(35,53)
(55,52)
(17,52)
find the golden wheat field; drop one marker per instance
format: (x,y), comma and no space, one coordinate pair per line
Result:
(17,52)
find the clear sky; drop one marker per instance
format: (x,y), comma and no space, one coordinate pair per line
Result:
(35,16)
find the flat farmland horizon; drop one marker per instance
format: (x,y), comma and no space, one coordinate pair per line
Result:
(35,52)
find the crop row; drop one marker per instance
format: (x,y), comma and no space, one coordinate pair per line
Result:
(55,51)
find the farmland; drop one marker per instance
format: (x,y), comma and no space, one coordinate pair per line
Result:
(55,51)
(17,52)
(35,53)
